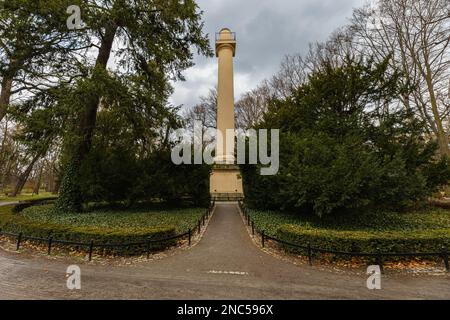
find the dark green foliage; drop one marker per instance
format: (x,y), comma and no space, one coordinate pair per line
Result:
(421,219)
(423,230)
(155,40)
(26,204)
(361,241)
(117,217)
(70,198)
(341,148)
(119,169)
(117,175)
(14,223)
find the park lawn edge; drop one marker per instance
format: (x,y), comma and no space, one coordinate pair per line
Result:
(11,222)
(433,240)
(430,237)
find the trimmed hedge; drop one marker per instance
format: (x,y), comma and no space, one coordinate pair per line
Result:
(445,204)
(364,241)
(15,223)
(26,204)
(182,219)
(424,230)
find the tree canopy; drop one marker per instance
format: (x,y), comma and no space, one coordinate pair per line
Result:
(341,148)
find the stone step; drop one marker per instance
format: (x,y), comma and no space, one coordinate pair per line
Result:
(227,196)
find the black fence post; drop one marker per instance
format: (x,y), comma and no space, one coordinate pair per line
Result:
(19,240)
(253,228)
(199,226)
(203,220)
(380,260)
(91,249)
(309,254)
(248,220)
(263,240)
(190,237)
(445,257)
(50,241)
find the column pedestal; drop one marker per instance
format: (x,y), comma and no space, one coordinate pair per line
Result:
(226,183)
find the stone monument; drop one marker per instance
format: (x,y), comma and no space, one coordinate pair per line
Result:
(226,180)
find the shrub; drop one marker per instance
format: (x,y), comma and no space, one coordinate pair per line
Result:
(365,241)
(119,217)
(26,204)
(340,150)
(425,230)
(15,223)
(119,169)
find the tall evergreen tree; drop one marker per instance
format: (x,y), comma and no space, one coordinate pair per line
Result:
(37,50)
(341,148)
(37,53)
(153,40)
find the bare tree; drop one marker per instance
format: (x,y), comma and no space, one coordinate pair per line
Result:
(25,174)
(38,178)
(416,34)
(204,112)
(251,106)
(11,160)
(293,72)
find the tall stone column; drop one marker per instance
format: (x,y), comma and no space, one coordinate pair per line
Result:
(226,181)
(225,51)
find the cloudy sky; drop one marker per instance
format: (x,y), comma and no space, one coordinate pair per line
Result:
(266,30)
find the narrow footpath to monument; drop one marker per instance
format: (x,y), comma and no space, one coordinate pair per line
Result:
(225,264)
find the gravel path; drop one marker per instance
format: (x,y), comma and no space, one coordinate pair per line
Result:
(225,264)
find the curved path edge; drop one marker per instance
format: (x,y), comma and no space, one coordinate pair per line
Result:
(224,264)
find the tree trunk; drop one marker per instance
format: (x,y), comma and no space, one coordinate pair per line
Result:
(70,197)
(3,158)
(5,96)
(7,83)
(24,176)
(37,184)
(442,135)
(56,185)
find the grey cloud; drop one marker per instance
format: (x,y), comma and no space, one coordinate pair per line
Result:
(266,31)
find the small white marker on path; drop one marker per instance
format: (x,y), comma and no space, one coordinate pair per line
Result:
(239,273)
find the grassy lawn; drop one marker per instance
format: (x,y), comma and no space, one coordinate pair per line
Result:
(427,230)
(133,219)
(27,196)
(104,225)
(432,218)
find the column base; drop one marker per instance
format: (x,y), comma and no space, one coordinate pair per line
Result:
(225,159)
(226,183)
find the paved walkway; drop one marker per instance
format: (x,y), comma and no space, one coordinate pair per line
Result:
(225,264)
(8,203)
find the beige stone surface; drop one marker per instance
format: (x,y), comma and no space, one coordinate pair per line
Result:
(226,181)
(225,178)
(225,51)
